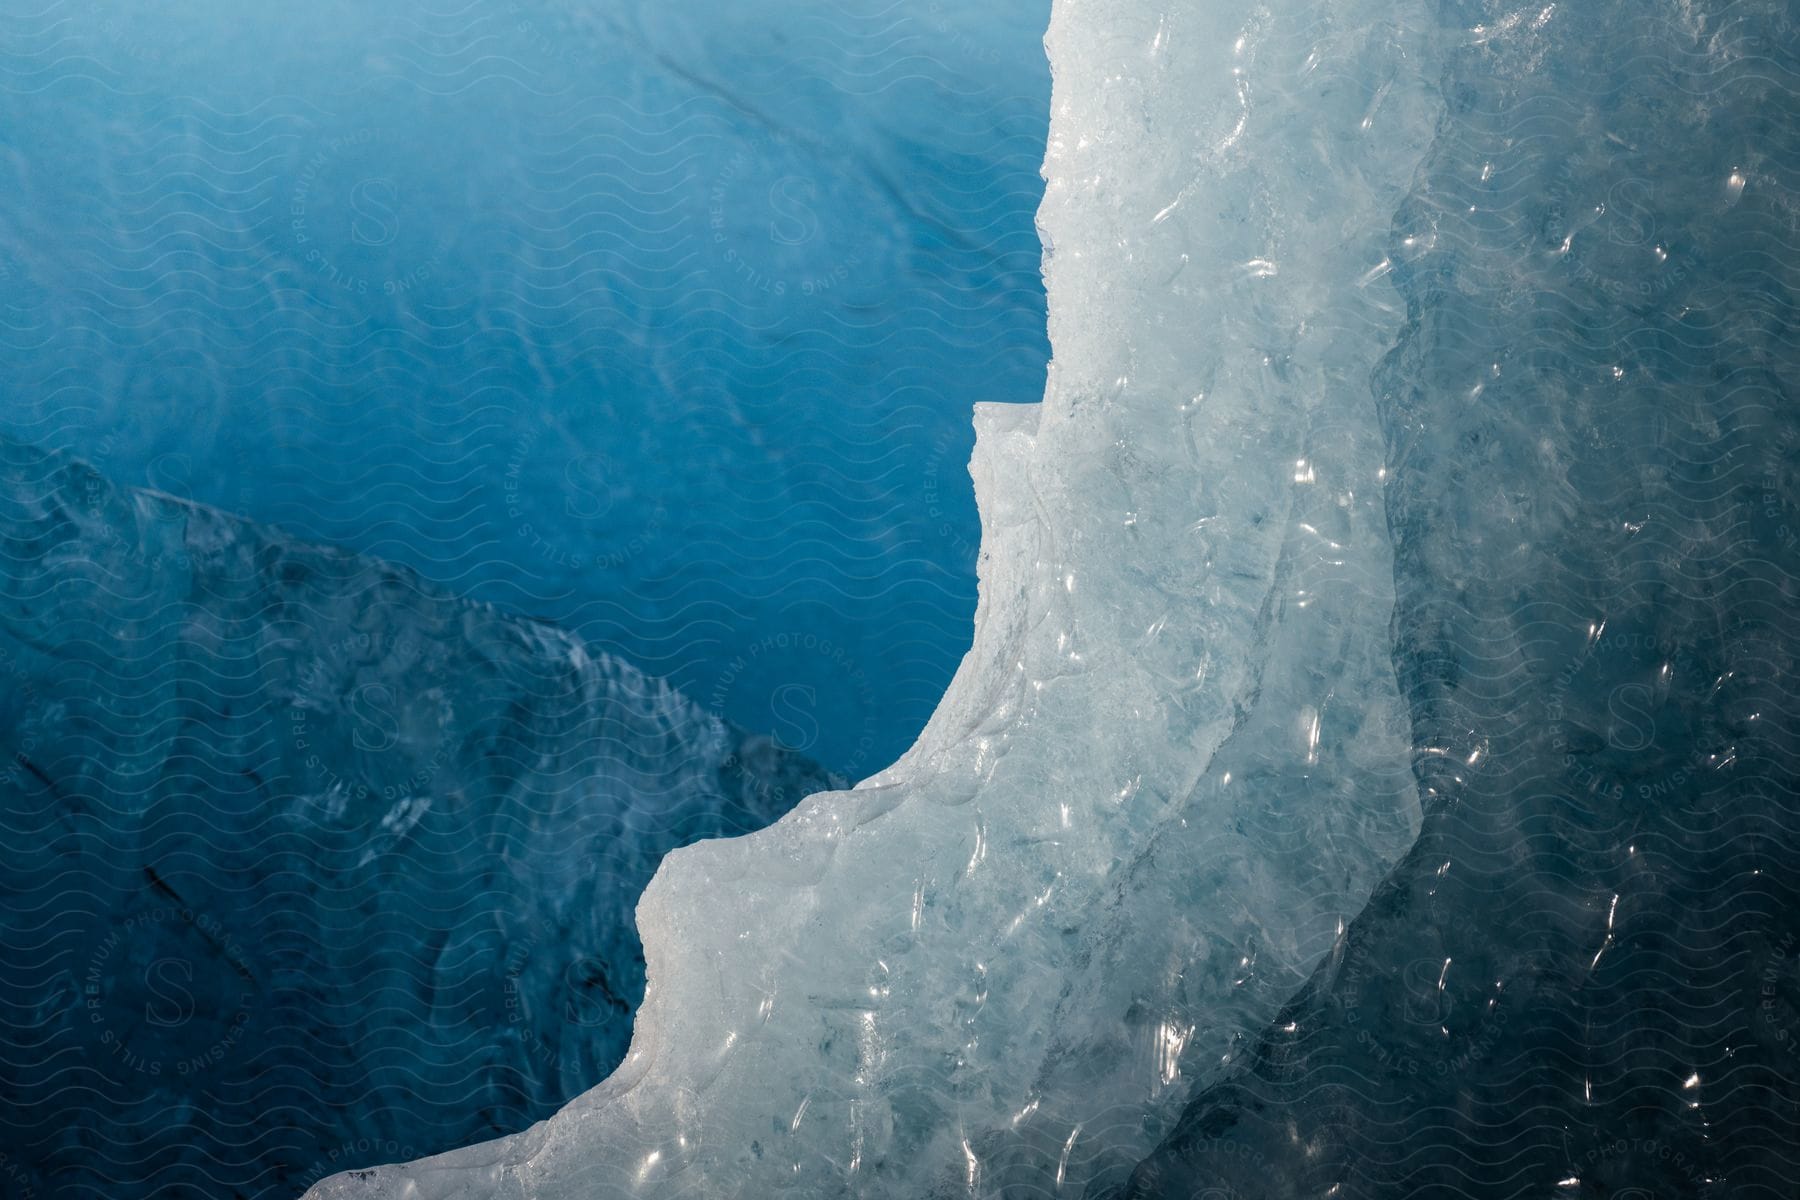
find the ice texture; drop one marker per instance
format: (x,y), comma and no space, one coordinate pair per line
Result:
(309,862)
(661,321)
(1175,761)
(1585,980)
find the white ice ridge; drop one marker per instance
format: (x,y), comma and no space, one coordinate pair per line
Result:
(1175,762)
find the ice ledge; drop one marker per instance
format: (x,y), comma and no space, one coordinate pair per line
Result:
(678,911)
(944,976)
(1175,762)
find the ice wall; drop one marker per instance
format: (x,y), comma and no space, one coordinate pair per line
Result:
(660,321)
(1175,761)
(1585,980)
(309,862)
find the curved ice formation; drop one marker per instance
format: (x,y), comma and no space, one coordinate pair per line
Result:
(1174,763)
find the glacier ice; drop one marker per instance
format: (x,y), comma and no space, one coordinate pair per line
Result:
(309,862)
(1585,980)
(1174,763)
(659,321)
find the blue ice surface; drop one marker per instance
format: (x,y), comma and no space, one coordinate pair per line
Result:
(310,864)
(1584,981)
(663,322)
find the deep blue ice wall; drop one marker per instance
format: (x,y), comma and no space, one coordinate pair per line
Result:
(1585,980)
(257,925)
(659,320)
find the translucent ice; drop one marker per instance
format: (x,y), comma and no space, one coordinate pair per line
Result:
(308,862)
(1174,763)
(658,320)
(1585,980)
